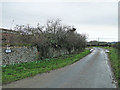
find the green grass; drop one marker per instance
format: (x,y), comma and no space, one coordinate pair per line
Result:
(16,72)
(115,63)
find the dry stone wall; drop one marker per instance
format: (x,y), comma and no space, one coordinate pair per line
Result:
(27,54)
(18,55)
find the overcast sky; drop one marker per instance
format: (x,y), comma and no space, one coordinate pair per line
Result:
(96,19)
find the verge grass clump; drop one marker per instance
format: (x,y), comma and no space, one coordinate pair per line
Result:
(114,57)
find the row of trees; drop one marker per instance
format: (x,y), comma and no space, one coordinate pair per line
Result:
(52,35)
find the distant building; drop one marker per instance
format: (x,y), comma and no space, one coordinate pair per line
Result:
(6,35)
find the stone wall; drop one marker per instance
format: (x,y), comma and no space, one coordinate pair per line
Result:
(56,53)
(18,55)
(27,54)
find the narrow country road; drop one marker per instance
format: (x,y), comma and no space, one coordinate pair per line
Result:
(92,71)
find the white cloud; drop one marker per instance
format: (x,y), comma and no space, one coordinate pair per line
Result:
(104,33)
(59,0)
(93,18)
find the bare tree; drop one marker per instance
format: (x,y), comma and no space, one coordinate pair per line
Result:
(52,35)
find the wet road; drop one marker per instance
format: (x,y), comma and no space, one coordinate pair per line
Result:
(92,71)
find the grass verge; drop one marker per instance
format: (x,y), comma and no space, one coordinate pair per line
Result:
(16,72)
(115,63)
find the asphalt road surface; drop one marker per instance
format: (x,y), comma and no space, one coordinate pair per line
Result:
(93,71)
